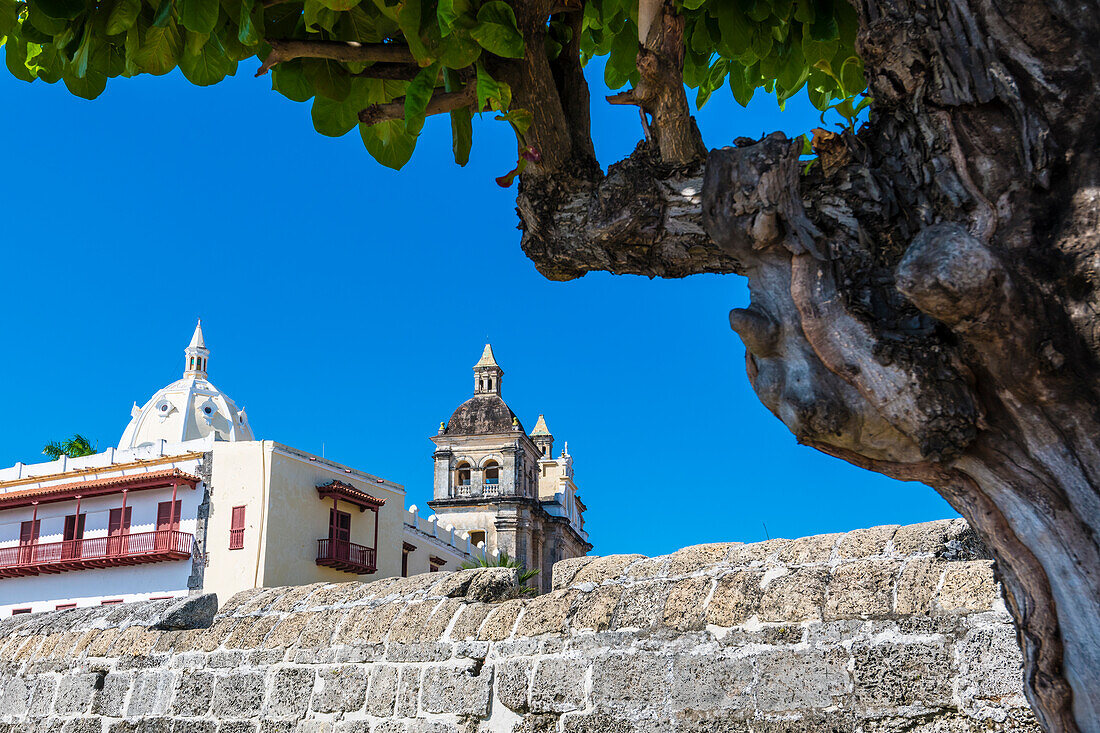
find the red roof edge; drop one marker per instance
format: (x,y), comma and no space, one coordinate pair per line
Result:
(97,487)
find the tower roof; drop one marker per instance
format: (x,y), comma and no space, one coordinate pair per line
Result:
(540,428)
(487,359)
(197,341)
(483,414)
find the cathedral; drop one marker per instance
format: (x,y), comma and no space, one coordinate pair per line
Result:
(503,486)
(191,501)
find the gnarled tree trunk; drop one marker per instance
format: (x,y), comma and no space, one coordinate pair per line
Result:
(924,298)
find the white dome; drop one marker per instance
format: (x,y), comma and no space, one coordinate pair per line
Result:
(190,408)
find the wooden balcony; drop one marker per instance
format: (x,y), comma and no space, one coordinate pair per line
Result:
(96,552)
(346,556)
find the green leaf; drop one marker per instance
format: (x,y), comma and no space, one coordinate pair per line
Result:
(61,9)
(159,49)
(364,23)
(804,11)
(88,87)
(458,50)
(193,42)
(817,51)
(328,78)
(83,55)
(622,63)
(250,23)
(199,16)
(736,29)
(448,12)
(15,57)
(492,94)
(340,5)
(824,26)
(289,79)
(851,76)
(334,119)
(496,30)
(318,17)
(743,82)
(417,95)
(164,13)
(388,142)
(408,20)
(462,129)
(43,23)
(208,66)
(122,16)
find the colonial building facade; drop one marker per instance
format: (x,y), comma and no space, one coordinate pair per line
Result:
(503,486)
(191,502)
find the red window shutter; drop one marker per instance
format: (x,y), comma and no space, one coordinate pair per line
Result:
(118,524)
(74,527)
(166,518)
(28,532)
(236,529)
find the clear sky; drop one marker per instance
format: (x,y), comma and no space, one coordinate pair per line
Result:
(345,304)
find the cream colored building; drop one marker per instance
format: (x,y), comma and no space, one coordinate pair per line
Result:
(190,502)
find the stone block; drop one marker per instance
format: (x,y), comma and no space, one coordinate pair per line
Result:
(382,690)
(370,624)
(194,692)
(546,614)
(558,685)
(791,680)
(917,584)
(809,550)
(151,694)
(320,629)
(704,682)
(251,635)
(42,690)
(698,558)
(565,570)
(892,674)
(15,695)
(109,700)
(648,568)
(91,724)
(410,625)
(605,568)
(796,596)
(594,610)
(736,598)
(631,681)
(459,689)
(513,679)
(408,692)
(341,688)
(968,586)
(990,674)
(238,695)
(642,605)
(289,692)
(950,539)
(869,542)
(238,726)
(614,721)
(501,621)
(469,621)
(686,604)
(862,589)
(74,694)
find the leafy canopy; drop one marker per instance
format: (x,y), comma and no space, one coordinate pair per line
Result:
(73,447)
(779,46)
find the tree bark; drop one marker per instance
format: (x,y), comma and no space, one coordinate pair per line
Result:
(924,299)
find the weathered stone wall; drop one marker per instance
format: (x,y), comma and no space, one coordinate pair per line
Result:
(884,629)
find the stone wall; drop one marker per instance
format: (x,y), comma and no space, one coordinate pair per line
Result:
(883,629)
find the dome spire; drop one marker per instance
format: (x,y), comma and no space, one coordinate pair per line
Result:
(196,354)
(487,373)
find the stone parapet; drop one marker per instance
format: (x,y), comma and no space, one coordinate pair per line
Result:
(885,629)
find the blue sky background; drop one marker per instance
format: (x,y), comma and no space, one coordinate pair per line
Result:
(344,305)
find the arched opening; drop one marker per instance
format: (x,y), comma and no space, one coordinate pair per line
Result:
(490,385)
(492,473)
(477,536)
(462,474)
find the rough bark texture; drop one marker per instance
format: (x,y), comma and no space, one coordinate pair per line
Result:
(924,300)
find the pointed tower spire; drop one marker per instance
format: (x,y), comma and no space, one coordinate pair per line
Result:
(542,438)
(196,354)
(487,373)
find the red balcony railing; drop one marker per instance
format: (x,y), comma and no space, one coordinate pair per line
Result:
(346,556)
(96,552)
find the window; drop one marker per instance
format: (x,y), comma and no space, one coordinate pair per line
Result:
(112,602)
(406,550)
(492,473)
(64,606)
(476,536)
(28,537)
(166,517)
(118,526)
(236,529)
(436,564)
(462,474)
(74,532)
(17,611)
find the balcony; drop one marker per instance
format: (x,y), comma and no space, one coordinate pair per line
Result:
(96,552)
(346,556)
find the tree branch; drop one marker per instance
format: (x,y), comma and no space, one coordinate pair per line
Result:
(440,103)
(347,51)
(395,72)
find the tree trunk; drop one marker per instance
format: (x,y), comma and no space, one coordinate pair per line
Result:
(924,298)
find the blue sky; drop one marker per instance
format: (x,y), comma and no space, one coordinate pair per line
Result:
(344,305)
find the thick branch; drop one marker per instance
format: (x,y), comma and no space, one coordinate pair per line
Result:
(347,51)
(440,103)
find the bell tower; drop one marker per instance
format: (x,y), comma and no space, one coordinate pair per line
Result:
(196,355)
(487,374)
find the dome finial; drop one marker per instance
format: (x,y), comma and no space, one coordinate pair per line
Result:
(196,354)
(487,373)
